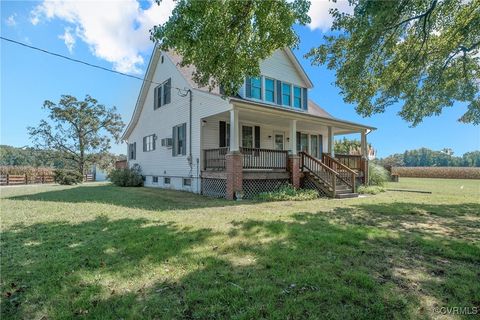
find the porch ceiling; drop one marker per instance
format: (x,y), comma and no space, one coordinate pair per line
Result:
(278,117)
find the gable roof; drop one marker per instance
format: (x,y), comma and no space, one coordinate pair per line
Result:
(299,67)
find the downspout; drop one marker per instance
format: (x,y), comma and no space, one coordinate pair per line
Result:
(190,158)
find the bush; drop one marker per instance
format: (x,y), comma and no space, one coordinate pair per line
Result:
(28,170)
(126,177)
(370,189)
(288,193)
(377,175)
(438,172)
(67,177)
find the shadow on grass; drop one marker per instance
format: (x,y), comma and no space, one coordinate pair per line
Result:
(49,265)
(142,198)
(307,267)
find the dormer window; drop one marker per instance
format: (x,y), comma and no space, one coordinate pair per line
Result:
(254,88)
(297,97)
(286,94)
(269,90)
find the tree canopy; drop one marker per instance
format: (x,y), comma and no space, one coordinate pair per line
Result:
(425,157)
(77,130)
(423,54)
(226,39)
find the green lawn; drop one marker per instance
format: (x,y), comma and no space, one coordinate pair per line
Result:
(100,252)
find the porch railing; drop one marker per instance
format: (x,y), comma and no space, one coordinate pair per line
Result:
(354,162)
(254,158)
(346,174)
(215,158)
(319,170)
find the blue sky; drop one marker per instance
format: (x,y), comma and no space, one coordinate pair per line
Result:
(116,36)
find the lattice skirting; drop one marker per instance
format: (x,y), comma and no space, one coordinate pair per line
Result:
(252,187)
(309,183)
(214,187)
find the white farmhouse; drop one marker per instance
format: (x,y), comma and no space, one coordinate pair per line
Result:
(185,137)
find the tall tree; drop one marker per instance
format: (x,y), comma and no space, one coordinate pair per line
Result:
(423,53)
(226,39)
(79,130)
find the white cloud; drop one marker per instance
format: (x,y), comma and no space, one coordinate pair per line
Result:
(10,21)
(68,38)
(320,15)
(116,31)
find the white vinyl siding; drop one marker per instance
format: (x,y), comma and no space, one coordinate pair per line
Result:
(160,122)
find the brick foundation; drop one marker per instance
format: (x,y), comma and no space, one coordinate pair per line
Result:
(294,169)
(234,168)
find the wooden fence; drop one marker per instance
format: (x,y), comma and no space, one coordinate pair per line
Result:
(19,179)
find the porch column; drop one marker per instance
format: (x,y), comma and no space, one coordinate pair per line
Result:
(331,142)
(234,160)
(364,152)
(234,131)
(293,137)
(363,145)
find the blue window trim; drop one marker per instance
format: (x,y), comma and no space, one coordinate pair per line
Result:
(272,90)
(286,96)
(297,98)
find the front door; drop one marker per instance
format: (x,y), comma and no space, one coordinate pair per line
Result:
(279,138)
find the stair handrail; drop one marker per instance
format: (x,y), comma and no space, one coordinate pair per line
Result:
(332,173)
(353,174)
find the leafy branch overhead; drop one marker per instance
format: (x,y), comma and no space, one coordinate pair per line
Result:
(79,130)
(424,53)
(225,40)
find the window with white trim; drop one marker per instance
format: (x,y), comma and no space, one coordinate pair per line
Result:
(286,94)
(269,90)
(297,97)
(149,143)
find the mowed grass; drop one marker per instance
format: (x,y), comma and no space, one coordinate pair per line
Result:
(100,252)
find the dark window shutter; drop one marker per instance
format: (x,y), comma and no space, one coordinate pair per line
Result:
(134,150)
(320,146)
(248,87)
(222,134)
(257,137)
(174,141)
(154,140)
(168,91)
(228,134)
(144,144)
(184,129)
(155,99)
(305,98)
(279,92)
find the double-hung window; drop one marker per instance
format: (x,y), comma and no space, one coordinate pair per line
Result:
(256,87)
(162,94)
(247,136)
(286,94)
(297,97)
(269,90)
(179,135)
(149,143)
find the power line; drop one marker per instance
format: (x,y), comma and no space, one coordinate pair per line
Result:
(83,62)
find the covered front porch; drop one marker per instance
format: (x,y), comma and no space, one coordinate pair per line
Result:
(270,143)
